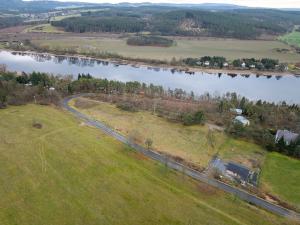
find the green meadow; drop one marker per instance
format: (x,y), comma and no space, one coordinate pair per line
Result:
(56,170)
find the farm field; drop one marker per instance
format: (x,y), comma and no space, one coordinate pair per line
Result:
(43,28)
(183,48)
(281,175)
(57,18)
(292,38)
(68,173)
(187,142)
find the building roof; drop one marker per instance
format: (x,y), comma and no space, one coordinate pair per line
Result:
(242,120)
(241,171)
(237,111)
(287,136)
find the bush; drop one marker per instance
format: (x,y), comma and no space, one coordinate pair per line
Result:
(193,118)
(150,41)
(127,106)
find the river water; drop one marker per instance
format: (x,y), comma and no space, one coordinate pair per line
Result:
(271,88)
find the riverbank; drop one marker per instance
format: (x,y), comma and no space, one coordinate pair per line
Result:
(178,68)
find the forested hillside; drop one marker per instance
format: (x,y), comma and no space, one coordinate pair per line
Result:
(10,21)
(239,23)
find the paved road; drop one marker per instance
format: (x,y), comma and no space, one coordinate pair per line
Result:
(242,194)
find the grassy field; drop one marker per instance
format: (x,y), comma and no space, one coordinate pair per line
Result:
(231,49)
(58,18)
(43,28)
(69,174)
(292,38)
(190,143)
(281,175)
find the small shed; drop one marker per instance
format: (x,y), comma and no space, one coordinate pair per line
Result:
(206,63)
(236,111)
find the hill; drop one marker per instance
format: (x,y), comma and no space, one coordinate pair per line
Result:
(64,172)
(37,6)
(166,20)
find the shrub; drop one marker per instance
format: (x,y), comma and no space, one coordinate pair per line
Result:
(193,118)
(150,41)
(127,106)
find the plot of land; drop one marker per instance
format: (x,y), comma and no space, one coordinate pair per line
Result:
(292,38)
(228,48)
(281,175)
(69,174)
(43,28)
(190,143)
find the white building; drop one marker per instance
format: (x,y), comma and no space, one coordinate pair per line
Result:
(242,120)
(206,63)
(288,136)
(237,111)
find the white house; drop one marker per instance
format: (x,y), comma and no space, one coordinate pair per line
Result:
(236,111)
(287,136)
(252,66)
(206,63)
(225,64)
(243,65)
(51,89)
(242,120)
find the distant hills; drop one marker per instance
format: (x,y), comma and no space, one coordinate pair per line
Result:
(39,5)
(46,5)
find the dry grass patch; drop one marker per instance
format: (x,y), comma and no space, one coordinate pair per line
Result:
(189,143)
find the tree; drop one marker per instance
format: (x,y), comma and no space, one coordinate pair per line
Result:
(149,143)
(3,97)
(39,79)
(211,140)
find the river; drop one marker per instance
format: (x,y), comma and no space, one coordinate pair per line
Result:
(268,88)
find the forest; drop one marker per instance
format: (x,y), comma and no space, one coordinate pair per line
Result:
(10,21)
(238,23)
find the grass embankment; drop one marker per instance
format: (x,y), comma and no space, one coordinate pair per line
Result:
(58,18)
(231,49)
(281,175)
(292,38)
(68,173)
(188,142)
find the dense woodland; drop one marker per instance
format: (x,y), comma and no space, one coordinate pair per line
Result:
(238,23)
(174,105)
(10,21)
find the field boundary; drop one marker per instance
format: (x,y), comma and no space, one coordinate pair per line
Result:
(242,194)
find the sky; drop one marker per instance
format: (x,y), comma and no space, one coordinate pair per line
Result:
(251,3)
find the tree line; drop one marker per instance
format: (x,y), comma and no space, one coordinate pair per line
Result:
(101,24)
(143,40)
